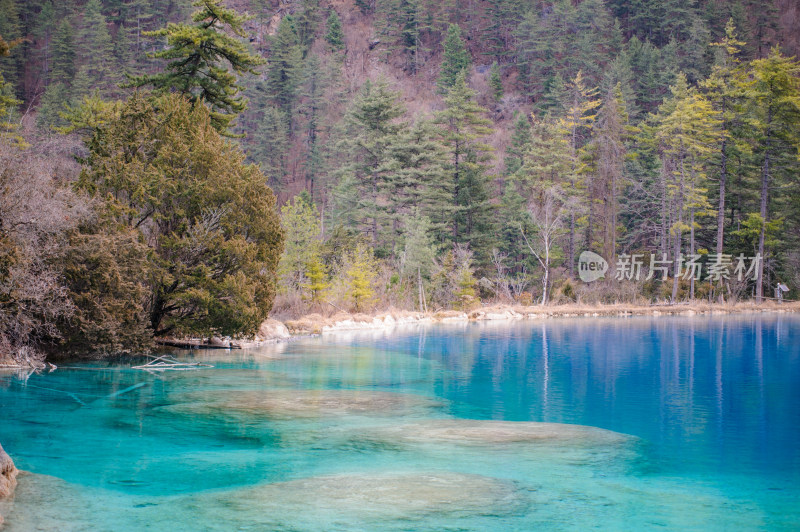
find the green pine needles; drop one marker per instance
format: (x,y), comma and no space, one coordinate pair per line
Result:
(204,61)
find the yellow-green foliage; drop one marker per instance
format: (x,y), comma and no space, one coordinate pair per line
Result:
(7,100)
(302,228)
(465,281)
(317,276)
(361,272)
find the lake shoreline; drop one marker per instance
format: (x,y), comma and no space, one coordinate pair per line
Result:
(317,324)
(278,330)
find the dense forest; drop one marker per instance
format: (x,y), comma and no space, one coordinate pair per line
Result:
(177,167)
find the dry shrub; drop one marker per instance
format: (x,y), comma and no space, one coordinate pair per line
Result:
(36,214)
(610,292)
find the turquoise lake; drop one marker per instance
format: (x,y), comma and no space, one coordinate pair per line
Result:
(667,423)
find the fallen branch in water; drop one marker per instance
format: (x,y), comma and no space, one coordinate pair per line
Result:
(166,362)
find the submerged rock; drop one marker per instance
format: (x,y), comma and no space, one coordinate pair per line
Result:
(304,403)
(473,431)
(385,495)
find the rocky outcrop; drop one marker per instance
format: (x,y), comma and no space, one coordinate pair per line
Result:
(8,474)
(8,477)
(273,330)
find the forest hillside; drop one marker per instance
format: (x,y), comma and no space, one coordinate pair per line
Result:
(186,167)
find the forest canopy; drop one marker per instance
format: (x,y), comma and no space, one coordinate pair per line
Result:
(415,154)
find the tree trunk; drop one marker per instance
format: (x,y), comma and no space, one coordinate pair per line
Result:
(691,251)
(721,208)
(663,229)
(546,279)
(677,236)
(419,287)
(572,244)
(764,193)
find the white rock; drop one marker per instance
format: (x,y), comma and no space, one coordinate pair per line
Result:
(273,330)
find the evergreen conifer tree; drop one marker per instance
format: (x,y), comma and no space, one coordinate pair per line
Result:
(455,59)
(462,125)
(333,31)
(204,61)
(285,69)
(63,66)
(773,94)
(96,51)
(496,82)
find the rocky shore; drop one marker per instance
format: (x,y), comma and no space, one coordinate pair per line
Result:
(319,324)
(8,477)
(274,330)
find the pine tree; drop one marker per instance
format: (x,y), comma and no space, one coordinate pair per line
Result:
(301,227)
(270,141)
(7,101)
(416,179)
(773,94)
(765,22)
(687,131)
(455,59)
(562,40)
(547,159)
(333,31)
(12,64)
(43,30)
(722,91)
(63,69)
(520,140)
(609,151)
(580,114)
(372,131)
(316,80)
(204,61)
(306,20)
(419,254)
(496,82)
(462,126)
(361,274)
(695,53)
(53,102)
(503,16)
(140,15)
(96,51)
(317,278)
(285,69)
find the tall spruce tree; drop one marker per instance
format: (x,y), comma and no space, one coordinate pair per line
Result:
(773,94)
(12,66)
(416,179)
(96,52)
(373,128)
(687,131)
(580,115)
(63,66)
(455,59)
(285,70)
(204,60)
(609,152)
(722,90)
(333,31)
(463,125)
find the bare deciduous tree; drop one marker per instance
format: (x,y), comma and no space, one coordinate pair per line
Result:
(36,213)
(547,217)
